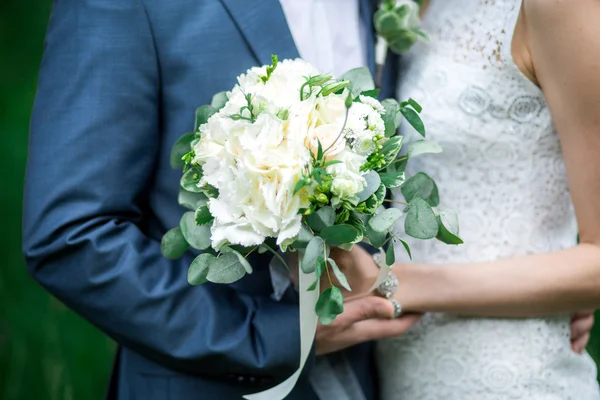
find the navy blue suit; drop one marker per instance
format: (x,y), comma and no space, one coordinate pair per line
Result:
(119,83)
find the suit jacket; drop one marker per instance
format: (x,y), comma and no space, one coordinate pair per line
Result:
(119,83)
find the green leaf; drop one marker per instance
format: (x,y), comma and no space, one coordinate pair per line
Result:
(197,236)
(199,269)
(423,147)
(202,115)
(320,268)
(448,228)
(377,239)
(387,23)
(336,235)
(210,191)
(413,119)
(392,117)
(373,203)
(421,185)
(401,42)
(173,245)
(191,200)
(358,224)
(303,238)
(392,180)
(241,258)
(226,269)
(319,150)
(203,215)
(421,222)
(383,221)
(415,105)
(339,275)
(321,219)
(219,100)
(391,148)
(373,183)
(407,248)
(181,147)
(299,185)
(360,79)
(374,93)
(390,255)
(332,162)
(329,305)
(314,249)
(189,180)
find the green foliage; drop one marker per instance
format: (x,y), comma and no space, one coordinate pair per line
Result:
(226,269)
(173,244)
(421,185)
(180,149)
(199,268)
(203,113)
(422,147)
(336,235)
(198,236)
(330,305)
(360,80)
(421,222)
(383,221)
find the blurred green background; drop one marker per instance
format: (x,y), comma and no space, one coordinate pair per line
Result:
(46,351)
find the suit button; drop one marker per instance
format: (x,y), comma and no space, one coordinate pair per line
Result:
(241,379)
(252,379)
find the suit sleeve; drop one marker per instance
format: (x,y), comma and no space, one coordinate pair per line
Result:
(94,144)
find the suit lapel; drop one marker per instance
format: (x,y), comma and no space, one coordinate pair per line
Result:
(367,10)
(263,24)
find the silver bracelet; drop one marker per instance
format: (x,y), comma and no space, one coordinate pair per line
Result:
(388,287)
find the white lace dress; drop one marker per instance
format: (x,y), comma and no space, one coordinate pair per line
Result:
(503,172)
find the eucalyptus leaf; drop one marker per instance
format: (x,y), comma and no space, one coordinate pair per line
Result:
(421,222)
(402,41)
(373,182)
(377,239)
(203,113)
(392,116)
(241,258)
(203,215)
(448,228)
(407,248)
(173,245)
(219,100)
(393,180)
(413,119)
(383,221)
(199,269)
(321,219)
(390,255)
(303,238)
(387,23)
(421,185)
(226,269)
(423,147)
(336,235)
(197,236)
(181,147)
(360,79)
(329,305)
(339,275)
(314,249)
(191,200)
(189,180)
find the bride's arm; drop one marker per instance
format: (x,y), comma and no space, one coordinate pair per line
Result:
(563,39)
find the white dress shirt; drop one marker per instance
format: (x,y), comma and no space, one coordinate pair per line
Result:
(329,34)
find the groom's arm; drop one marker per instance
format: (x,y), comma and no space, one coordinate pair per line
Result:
(93,153)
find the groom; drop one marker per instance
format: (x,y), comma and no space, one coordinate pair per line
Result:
(119,83)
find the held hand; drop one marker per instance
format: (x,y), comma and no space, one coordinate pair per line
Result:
(581,326)
(358,266)
(363,320)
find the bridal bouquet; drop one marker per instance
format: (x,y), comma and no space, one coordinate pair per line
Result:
(293,160)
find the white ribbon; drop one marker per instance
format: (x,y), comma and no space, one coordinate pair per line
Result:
(308,328)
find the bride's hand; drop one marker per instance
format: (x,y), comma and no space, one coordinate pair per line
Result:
(581,326)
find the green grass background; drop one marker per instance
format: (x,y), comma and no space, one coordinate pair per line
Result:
(46,351)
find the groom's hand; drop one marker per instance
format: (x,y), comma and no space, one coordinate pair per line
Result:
(581,326)
(363,320)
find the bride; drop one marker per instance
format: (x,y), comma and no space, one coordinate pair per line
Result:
(511,90)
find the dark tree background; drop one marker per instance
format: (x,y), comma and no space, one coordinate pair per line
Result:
(46,351)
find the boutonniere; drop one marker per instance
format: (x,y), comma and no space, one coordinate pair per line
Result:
(398,26)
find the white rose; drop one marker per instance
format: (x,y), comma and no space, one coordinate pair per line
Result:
(347,185)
